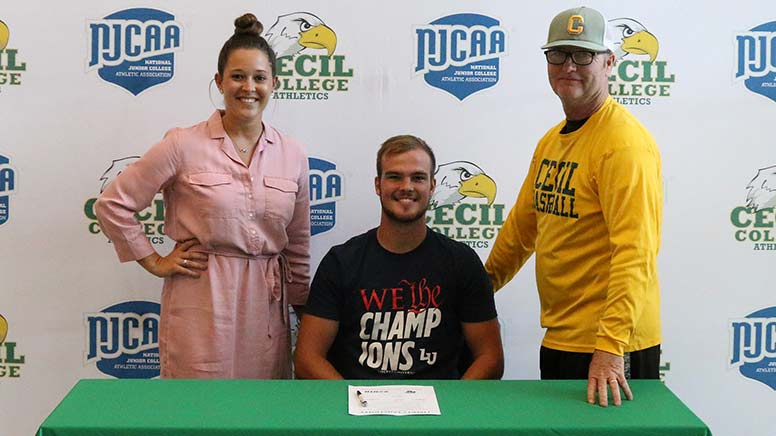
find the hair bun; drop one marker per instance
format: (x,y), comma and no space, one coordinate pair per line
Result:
(248,24)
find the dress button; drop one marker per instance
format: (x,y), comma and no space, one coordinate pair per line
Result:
(253,231)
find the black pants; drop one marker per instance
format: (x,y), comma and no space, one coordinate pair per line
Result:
(565,365)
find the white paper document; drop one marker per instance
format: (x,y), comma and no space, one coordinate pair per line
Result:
(397,400)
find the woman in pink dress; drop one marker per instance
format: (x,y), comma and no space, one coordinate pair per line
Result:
(237,203)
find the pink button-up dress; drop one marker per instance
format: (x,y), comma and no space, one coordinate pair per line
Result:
(254,223)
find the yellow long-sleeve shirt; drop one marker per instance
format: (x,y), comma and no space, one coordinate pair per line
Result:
(590,207)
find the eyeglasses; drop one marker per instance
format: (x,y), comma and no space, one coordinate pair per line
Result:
(581,57)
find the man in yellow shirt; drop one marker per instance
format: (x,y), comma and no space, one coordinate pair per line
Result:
(590,208)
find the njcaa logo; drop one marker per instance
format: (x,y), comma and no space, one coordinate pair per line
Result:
(460,53)
(11,360)
(152,217)
(325,191)
(638,77)
(753,346)
(7,188)
(134,48)
(456,209)
(757,59)
(11,67)
(307,67)
(755,221)
(123,339)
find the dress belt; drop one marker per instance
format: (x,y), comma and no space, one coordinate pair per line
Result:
(239,254)
(275,270)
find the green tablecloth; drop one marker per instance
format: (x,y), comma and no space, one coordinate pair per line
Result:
(256,407)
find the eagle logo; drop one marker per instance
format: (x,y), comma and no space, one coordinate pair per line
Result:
(631,37)
(458,180)
(297,31)
(762,189)
(115,168)
(3,328)
(4,35)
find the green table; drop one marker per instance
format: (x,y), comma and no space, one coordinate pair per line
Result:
(260,407)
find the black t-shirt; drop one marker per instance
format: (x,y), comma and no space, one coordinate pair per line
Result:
(400,314)
(573,125)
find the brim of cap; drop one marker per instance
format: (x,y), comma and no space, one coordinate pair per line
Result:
(576,43)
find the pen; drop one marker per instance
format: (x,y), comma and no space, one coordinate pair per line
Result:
(361,399)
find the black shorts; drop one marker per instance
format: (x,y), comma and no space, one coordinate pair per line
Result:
(566,365)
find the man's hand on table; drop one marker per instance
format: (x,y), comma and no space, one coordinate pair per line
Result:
(607,369)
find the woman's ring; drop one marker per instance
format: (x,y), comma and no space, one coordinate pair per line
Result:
(185,262)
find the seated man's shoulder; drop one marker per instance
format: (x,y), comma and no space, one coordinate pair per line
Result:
(453,247)
(353,245)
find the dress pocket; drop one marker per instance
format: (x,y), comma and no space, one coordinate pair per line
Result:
(214,194)
(280,198)
(210,179)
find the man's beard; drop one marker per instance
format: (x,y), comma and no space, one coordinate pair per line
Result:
(404,220)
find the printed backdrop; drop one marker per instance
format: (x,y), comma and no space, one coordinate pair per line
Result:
(87,87)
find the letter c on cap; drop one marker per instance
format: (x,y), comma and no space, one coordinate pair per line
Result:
(576,25)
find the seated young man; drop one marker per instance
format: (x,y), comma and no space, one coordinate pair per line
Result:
(400,301)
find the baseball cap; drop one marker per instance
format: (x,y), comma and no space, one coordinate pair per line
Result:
(581,27)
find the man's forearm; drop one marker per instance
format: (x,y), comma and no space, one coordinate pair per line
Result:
(487,366)
(315,367)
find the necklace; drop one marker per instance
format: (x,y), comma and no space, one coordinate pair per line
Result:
(246,148)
